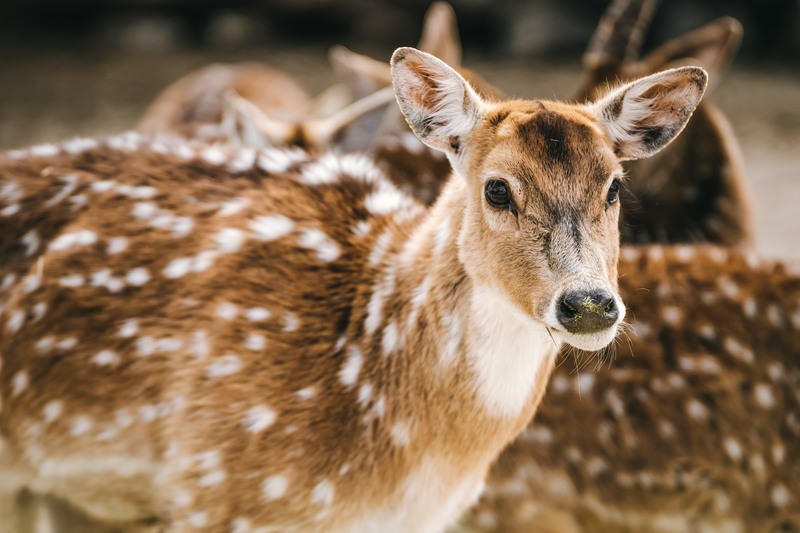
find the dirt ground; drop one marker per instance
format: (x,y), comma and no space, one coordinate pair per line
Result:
(46,98)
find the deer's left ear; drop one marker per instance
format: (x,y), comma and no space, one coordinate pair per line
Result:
(438,104)
(644,116)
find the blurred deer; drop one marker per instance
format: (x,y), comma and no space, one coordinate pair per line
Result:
(696,190)
(694,427)
(232,339)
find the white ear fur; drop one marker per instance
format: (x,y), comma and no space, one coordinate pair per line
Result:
(439,105)
(644,116)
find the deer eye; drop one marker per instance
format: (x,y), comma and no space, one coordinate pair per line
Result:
(613,193)
(496,192)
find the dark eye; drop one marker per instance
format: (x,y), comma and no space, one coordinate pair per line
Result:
(496,193)
(613,192)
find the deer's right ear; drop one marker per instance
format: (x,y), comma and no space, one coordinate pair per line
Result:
(644,116)
(438,104)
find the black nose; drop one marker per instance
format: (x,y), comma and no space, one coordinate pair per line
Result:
(587,312)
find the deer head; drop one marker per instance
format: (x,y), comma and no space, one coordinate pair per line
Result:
(547,175)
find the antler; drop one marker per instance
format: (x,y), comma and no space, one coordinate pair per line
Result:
(618,38)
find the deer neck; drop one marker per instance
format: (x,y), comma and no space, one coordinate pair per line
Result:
(461,358)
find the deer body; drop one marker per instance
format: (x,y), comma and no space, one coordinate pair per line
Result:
(223,338)
(177,403)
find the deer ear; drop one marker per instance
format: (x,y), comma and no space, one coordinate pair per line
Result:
(439,105)
(712,47)
(644,116)
(244,123)
(440,34)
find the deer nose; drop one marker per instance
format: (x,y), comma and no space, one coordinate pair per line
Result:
(587,312)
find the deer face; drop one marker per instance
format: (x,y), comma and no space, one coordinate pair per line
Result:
(541,211)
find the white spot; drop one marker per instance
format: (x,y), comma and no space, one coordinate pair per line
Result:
(52,410)
(116,245)
(199,345)
(733,448)
(584,383)
(314,239)
(775,316)
(145,346)
(400,434)
(257,314)
(255,342)
(778,453)
(214,155)
(348,375)
(380,247)
(137,276)
(227,311)
(45,344)
(271,227)
(79,144)
(274,487)
(728,287)
(763,396)
(362,228)
(8,281)
(739,351)
(198,519)
(258,419)
(307,393)
(19,383)
(750,307)
(10,210)
(102,185)
(384,201)
(290,322)
(707,331)
(229,240)
(696,410)
(389,340)
(106,358)
(15,321)
(672,315)
(344,469)
(224,366)
(365,393)
(67,343)
(73,239)
(780,496)
(322,493)
(178,267)
(129,328)
(31,241)
(80,425)
(213,478)
(43,150)
(232,207)
(144,210)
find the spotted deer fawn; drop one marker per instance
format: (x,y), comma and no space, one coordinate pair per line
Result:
(226,338)
(696,429)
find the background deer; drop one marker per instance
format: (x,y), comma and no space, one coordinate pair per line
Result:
(695,191)
(233,312)
(694,427)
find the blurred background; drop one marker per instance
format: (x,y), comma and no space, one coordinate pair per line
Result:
(91,67)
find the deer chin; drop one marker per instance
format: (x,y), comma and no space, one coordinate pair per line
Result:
(589,342)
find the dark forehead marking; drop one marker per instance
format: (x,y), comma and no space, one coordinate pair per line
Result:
(553,136)
(497,118)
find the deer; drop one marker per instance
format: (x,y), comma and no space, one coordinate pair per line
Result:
(210,337)
(696,429)
(695,190)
